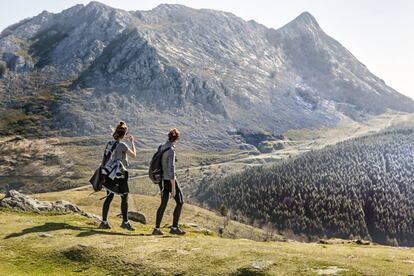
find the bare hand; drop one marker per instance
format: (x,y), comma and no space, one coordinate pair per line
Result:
(173,193)
(131,139)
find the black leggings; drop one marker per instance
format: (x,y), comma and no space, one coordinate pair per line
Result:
(165,195)
(107,203)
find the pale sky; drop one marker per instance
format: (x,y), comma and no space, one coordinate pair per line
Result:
(380,33)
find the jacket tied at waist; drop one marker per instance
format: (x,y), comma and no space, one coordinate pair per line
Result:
(114,169)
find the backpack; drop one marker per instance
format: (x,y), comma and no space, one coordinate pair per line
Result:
(155,167)
(98,178)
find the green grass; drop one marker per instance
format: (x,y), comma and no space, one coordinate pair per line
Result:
(76,247)
(149,204)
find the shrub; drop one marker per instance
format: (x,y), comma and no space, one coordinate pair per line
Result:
(223,210)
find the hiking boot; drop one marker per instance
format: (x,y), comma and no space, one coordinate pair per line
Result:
(157,232)
(104,225)
(127,226)
(177,231)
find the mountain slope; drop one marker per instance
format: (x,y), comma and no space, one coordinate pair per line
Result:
(327,67)
(361,187)
(196,68)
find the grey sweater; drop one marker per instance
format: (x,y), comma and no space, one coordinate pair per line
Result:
(168,161)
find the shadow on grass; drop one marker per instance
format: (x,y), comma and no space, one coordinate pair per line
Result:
(54,226)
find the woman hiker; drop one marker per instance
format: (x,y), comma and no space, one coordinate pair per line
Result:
(116,174)
(169,186)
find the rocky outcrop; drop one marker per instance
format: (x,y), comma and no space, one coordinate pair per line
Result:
(200,69)
(20,202)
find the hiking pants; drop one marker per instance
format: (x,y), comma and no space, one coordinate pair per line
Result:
(165,188)
(107,203)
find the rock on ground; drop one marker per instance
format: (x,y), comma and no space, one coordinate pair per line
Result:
(330,270)
(136,216)
(21,202)
(260,265)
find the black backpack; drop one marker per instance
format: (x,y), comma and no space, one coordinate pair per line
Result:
(155,167)
(98,178)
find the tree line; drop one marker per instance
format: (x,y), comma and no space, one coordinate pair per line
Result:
(360,188)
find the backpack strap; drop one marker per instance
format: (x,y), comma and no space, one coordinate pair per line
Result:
(113,149)
(162,153)
(114,146)
(165,150)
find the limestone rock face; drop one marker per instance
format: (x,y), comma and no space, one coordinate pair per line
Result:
(196,68)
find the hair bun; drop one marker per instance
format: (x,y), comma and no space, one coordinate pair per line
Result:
(120,130)
(173,134)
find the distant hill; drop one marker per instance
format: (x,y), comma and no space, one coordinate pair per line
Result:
(362,187)
(79,71)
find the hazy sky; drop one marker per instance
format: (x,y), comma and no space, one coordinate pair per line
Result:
(380,33)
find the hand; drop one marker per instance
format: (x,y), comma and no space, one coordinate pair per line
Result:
(131,139)
(173,193)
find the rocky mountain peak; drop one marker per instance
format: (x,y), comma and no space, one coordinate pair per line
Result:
(213,66)
(169,12)
(97,4)
(306,18)
(97,8)
(171,7)
(305,22)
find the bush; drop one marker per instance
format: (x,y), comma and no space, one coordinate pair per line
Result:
(223,210)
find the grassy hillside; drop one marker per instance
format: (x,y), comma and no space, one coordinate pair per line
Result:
(54,244)
(149,204)
(361,187)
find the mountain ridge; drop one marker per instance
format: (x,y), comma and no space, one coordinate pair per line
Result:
(202,65)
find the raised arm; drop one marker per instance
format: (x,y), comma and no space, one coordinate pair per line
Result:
(132,152)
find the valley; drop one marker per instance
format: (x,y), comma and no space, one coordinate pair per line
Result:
(79,156)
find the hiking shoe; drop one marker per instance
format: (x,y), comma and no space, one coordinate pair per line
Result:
(104,225)
(157,232)
(127,226)
(177,231)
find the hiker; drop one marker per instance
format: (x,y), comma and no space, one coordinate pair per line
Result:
(116,174)
(168,185)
